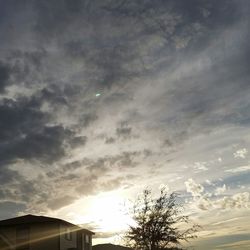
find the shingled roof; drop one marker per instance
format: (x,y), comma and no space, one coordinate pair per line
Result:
(33,219)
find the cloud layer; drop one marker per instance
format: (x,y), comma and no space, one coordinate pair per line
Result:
(96,94)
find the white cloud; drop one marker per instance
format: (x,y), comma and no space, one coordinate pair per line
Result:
(208,182)
(194,188)
(200,166)
(206,201)
(239,200)
(238,169)
(241,153)
(236,201)
(220,190)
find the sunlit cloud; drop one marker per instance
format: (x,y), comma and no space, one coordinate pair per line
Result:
(241,153)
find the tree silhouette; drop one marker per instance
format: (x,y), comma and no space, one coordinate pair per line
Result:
(157,223)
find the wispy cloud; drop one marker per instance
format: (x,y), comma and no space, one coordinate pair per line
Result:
(238,169)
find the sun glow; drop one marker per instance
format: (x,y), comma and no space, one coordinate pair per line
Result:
(108,210)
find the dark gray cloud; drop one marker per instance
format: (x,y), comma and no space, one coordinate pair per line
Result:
(60,202)
(16,189)
(20,115)
(26,66)
(46,144)
(87,119)
(109,140)
(4,76)
(19,118)
(54,95)
(78,141)
(7,209)
(114,55)
(7,175)
(124,131)
(26,133)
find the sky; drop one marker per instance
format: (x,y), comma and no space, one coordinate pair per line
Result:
(100,99)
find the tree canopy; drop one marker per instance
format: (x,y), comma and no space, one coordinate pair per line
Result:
(159,223)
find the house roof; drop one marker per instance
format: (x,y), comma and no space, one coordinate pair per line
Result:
(31,219)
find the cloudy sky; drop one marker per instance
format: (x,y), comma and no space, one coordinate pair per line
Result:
(102,98)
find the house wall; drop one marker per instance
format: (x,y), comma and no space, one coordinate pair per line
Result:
(10,234)
(82,243)
(79,240)
(41,236)
(49,236)
(65,244)
(4,245)
(44,236)
(88,244)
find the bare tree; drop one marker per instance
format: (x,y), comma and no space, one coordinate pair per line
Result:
(158,222)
